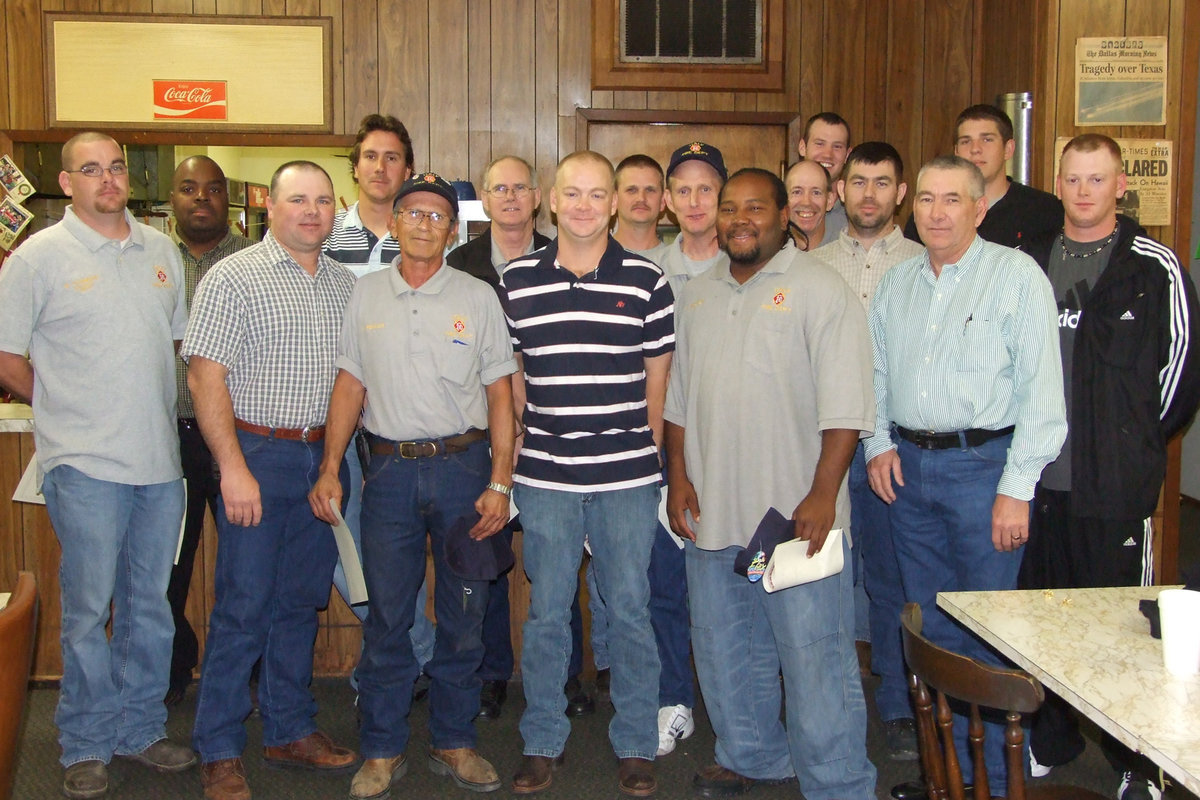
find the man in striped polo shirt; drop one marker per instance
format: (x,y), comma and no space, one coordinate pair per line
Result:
(593,330)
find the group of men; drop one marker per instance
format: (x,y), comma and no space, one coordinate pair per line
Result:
(420,397)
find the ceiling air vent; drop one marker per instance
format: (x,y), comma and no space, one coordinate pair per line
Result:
(691,31)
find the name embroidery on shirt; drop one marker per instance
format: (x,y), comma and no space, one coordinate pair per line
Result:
(778,301)
(83,284)
(458,330)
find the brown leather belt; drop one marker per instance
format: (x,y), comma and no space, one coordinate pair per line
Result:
(309,433)
(426,449)
(952,440)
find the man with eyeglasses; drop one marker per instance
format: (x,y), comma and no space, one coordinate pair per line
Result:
(430,347)
(511,197)
(96,302)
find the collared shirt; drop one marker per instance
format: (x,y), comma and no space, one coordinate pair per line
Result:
(863,269)
(679,268)
(193,270)
(425,354)
(98,318)
(760,370)
(356,247)
(275,328)
(655,254)
(835,222)
(584,342)
(498,259)
(976,347)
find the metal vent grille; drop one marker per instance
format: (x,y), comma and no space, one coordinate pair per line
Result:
(691,31)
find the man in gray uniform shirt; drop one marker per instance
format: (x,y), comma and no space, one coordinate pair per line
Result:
(96,301)
(695,176)
(769,394)
(429,345)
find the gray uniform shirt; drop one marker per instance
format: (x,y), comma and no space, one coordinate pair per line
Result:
(760,370)
(679,268)
(98,318)
(425,354)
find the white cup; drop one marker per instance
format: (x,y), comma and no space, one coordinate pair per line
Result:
(1179,612)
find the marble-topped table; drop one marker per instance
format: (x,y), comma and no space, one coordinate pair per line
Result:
(1093,648)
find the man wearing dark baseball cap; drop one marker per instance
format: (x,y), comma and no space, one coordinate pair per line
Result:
(695,175)
(430,345)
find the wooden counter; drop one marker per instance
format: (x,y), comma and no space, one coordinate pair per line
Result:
(27,542)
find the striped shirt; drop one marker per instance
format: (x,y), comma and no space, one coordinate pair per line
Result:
(584,342)
(275,328)
(863,269)
(193,270)
(356,247)
(976,347)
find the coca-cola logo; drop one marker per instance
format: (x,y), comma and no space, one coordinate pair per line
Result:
(186,100)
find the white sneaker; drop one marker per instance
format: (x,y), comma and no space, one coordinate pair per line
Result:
(1035,769)
(674,723)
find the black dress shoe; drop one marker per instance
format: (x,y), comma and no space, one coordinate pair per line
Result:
(579,702)
(491,699)
(909,790)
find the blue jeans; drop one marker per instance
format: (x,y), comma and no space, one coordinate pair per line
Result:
(668,617)
(118,542)
(422,629)
(620,526)
(497,664)
(881,577)
(942,529)
(742,637)
(271,580)
(402,499)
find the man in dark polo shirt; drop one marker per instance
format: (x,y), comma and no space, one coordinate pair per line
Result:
(593,328)
(1016,213)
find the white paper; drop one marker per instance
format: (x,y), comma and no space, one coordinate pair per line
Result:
(29,488)
(356,585)
(790,565)
(182,525)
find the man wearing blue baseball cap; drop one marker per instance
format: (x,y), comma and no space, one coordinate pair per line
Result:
(430,346)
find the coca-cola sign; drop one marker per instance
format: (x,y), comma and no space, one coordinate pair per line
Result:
(190,100)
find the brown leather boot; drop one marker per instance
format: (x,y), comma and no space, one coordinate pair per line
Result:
(224,780)
(376,776)
(535,773)
(315,751)
(465,767)
(635,777)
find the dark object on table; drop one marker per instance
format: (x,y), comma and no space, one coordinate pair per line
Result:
(1149,609)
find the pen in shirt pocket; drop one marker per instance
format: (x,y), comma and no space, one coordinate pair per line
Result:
(458,341)
(970,317)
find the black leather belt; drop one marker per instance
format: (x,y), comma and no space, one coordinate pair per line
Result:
(928,440)
(425,449)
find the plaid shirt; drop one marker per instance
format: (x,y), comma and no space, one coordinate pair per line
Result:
(275,328)
(193,270)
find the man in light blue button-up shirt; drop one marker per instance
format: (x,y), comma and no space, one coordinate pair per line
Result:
(968,388)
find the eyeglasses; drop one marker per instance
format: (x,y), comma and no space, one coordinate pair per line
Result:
(97,171)
(414,217)
(516,190)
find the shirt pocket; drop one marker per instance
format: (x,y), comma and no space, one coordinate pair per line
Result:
(460,365)
(771,344)
(982,347)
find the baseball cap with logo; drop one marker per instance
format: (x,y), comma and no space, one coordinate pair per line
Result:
(428,182)
(698,151)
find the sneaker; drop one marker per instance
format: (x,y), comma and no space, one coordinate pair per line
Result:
(1135,786)
(901,736)
(1035,769)
(674,723)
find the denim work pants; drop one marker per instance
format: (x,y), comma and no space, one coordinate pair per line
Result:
(742,637)
(871,527)
(620,527)
(271,579)
(118,542)
(942,530)
(402,499)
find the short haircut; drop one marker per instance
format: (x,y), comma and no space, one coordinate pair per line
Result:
(1090,143)
(829,118)
(640,160)
(380,122)
(818,165)
(777,187)
(586,155)
(68,148)
(528,169)
(305,166)
(202,159)
(876,153)
(986,112)
(975,182)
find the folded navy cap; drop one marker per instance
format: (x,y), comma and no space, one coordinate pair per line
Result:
(773,530)
(476,560)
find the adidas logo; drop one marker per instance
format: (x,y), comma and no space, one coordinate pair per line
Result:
(1129,542)
(1128,315)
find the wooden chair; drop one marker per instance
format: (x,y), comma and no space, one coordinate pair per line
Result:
(957,677)
(18,621)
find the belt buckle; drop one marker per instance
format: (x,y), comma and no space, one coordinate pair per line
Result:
(305,432)
(416,449)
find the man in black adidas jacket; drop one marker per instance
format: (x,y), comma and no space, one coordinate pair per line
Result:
(1131,367)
